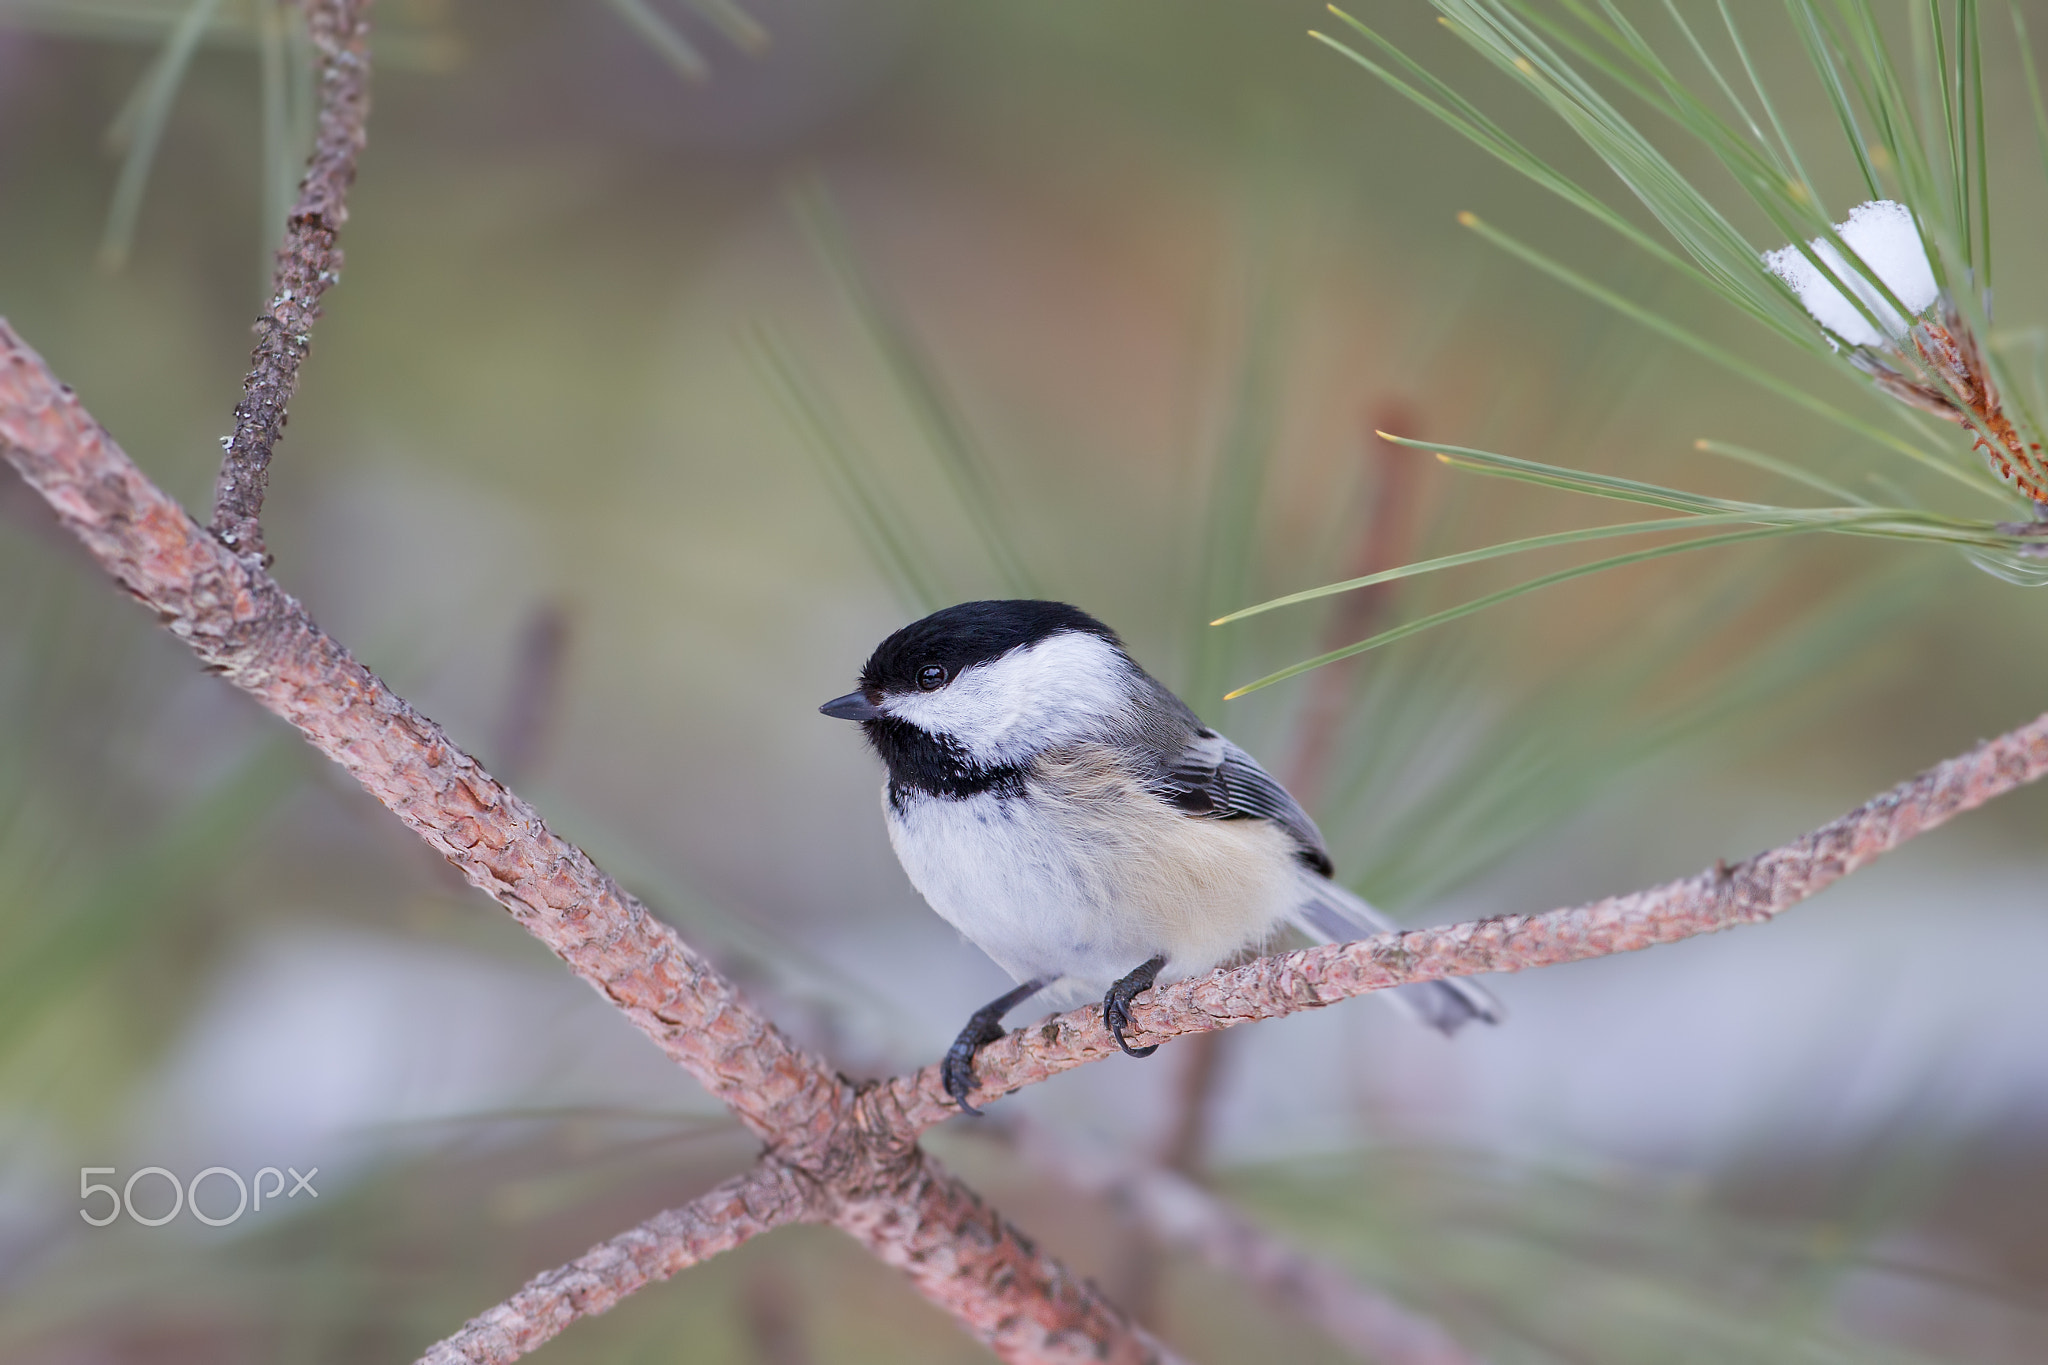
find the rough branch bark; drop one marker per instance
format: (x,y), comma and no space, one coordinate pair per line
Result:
(768,1196)
(859,1144)
(1721,897)
(308,262)
(245,627)
(967,1259)
(834,1152)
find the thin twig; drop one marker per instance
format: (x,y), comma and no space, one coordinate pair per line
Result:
(1371,1325)
(242,625)
(533,704)
(1388,538)
(1185,1147)
(1175,1211)
(768,1196)
(1723,896)
(860,1145)
(308,262)
(245,627)
(773,1312)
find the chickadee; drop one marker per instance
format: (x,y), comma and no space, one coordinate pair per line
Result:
(1070,815)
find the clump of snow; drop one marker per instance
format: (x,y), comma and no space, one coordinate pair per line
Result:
(1883,235)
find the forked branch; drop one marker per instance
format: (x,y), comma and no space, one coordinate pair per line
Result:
(834,1151)
(858,1143)
(245,627)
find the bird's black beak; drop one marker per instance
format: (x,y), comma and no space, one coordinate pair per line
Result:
(852,706)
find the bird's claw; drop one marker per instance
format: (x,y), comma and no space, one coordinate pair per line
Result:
(1116,1005)
(985,1025)
(957,1069)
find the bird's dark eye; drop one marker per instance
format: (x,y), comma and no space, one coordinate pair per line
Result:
(931,678)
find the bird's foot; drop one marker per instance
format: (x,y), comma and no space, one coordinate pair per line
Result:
(1116,1006)
(984,1026)
(958,1068)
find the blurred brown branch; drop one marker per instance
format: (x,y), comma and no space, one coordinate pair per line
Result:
(533,704)
(1385,534)
(873,1180)
(833,1151)
(857,1144)
(773,1310)
(1387,538)
(1176,1212)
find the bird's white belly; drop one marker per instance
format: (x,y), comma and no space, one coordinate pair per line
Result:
(1088,875)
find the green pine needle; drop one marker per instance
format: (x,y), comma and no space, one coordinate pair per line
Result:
(668,42)
(948,436)
(740,28)
(2010,552)
(143,129)
(1463,609)
(852,474)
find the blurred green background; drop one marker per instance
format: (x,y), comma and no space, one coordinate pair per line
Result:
(646,406)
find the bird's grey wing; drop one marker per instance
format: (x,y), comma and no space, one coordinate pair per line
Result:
(1212,777)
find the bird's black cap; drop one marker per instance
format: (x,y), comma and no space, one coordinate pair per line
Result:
(973,632)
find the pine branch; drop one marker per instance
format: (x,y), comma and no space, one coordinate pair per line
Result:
(970,1261)
(245,627)
(834,1152)
(308,262)
(858,1143)
(1177,1213)
(768,1196)
(1750,892)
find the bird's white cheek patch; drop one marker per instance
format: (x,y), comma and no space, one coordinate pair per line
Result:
(1005,711)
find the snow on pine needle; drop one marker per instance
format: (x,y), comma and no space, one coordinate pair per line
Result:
(1943,373)
(1885,239)
(1895,297)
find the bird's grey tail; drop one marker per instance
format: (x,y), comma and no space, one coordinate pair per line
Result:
(1332,914)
